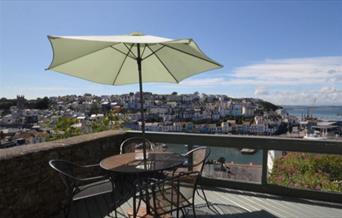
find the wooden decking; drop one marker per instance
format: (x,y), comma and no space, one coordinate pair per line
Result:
(224,203)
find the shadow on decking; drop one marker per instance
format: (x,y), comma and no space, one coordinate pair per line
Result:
(100,207)
(227,211)
(276,197)
(226,203)
(254,214)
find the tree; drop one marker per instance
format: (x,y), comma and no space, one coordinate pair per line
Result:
(64,127)
(94,109)
(5,104)
(267,106)
(42,104)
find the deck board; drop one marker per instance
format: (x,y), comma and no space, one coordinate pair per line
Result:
(229,204)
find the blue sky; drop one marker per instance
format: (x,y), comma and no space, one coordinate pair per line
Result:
(287,52)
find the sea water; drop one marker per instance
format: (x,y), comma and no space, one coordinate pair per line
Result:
(230,154)
(331,113)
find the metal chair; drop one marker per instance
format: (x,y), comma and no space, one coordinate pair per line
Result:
(80,187)
(197,158)
(171,194)
(135,144)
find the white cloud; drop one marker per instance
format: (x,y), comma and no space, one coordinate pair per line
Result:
(328,90)
(296,71)
(316,70)
(285,81)
(261,91)
(335,78)
(320,96)
(203,82)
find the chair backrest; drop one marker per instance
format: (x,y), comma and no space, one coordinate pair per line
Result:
(63,167)
(197,157)
(135,143)
(66,170)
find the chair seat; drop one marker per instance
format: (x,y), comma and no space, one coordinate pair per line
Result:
(93,189)
(167,199)
(176,190)
(185,179)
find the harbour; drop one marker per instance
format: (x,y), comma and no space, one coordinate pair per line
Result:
(327,113)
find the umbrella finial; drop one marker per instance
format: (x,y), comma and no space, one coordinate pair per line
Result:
(137,34)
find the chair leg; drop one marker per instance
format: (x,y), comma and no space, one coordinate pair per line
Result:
(193,210)
(115,205)
(205,197)
(114,201)
(183,213)
(134,207)
(66,211)
(115,211)
(67,207)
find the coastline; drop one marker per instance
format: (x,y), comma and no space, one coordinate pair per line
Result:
(326,113)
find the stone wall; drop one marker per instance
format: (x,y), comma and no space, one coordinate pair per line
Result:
(30,188)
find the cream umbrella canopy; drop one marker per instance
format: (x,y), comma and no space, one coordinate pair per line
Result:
(127,59)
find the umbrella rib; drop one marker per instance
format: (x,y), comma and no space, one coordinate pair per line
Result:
(153,52)
(129,50)
(164,65)
(118,50)
(142,53)
(123,62)
(180,50)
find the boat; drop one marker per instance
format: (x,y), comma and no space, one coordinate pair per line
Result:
(247,150)
(314,136)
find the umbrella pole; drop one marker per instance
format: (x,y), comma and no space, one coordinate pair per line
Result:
(141,101)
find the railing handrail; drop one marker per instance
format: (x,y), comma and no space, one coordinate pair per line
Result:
(264,143)
(243,141)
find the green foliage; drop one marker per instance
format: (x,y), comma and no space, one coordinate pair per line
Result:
(94,109)
(39,103)
(308,171)
(5,104)
(100,125)
(267,106)
(42,103)
(64,128)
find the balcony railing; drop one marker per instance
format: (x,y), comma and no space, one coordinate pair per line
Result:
(265,144)
(27,182)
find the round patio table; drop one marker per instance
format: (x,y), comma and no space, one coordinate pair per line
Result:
(133,163)
(129,168)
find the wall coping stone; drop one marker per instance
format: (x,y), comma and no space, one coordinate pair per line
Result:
(17,151)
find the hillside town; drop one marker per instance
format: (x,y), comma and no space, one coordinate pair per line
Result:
(32,121)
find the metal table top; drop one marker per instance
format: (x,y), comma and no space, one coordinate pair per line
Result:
(133,162)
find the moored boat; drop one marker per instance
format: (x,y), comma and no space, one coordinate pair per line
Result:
(247,150)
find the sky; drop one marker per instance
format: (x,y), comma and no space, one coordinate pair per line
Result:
(285,52)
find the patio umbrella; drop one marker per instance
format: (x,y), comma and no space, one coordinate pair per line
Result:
(127,59)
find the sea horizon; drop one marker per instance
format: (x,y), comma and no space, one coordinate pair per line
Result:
(327,113)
